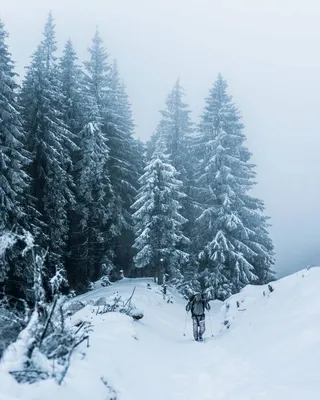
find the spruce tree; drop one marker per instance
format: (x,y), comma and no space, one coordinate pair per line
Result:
(71,77)
(158,222)
(91,249)
(176,129)
(50,143)
(13,157)
(233,242)
(125,166)
(93,175)
(73,115)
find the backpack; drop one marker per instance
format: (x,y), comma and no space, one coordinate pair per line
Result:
(196,304)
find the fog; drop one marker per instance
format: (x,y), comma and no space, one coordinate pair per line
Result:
(268,51)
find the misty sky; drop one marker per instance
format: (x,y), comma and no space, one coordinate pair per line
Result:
(268,50)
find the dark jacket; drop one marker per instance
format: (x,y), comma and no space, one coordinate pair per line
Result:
(197,307)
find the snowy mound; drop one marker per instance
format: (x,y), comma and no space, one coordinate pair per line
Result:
(263,343)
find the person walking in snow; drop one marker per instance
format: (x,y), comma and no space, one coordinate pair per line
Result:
(197,305)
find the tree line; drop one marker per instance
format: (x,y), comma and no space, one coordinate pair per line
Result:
(99,203)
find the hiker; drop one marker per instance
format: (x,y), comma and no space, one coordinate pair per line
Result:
(197,305)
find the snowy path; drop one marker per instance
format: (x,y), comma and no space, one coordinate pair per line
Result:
(258,358)
(270,352)
(162,363)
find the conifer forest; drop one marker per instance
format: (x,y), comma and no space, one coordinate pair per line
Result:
(94,202)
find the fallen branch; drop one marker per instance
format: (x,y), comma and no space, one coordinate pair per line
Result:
(64,373)
(79,342)
(129,299)
(48,321)
(81,325)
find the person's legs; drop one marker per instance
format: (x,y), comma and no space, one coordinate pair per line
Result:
(195,328)
(202,325)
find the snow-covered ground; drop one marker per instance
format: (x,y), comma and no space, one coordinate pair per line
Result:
(266,345)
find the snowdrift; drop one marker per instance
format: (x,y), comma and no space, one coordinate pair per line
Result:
(263,343)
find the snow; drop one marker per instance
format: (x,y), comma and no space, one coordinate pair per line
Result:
(14,356)
(266,345)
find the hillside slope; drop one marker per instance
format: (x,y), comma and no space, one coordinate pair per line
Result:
(266,345)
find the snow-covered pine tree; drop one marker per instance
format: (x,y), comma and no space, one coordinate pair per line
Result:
(71,77)
(93,194)
(125,165)
(13,156)
(93,176)
(73,115)
(234,246)
(176,129)
(50,143)
(158,222)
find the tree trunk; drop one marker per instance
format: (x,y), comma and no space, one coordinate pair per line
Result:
(160,273)
(160,278)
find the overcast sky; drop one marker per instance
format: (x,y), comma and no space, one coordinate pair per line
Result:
(268,50)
